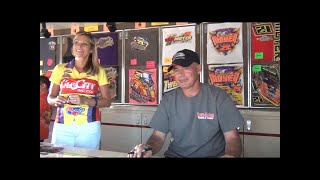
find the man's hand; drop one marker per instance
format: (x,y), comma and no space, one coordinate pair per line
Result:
(227,156)
(140,151)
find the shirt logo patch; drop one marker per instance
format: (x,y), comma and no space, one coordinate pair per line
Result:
(75,110)
(82,86)
(205,115)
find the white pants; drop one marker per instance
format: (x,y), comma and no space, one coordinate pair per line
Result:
(85,136)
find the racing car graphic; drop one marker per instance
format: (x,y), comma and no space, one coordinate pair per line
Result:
(267,84)
(142,87)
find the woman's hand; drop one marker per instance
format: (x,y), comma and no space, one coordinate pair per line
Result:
(74,99)
(60,100)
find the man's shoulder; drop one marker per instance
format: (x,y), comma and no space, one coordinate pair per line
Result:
(172,92)
(215,90)
(210,86)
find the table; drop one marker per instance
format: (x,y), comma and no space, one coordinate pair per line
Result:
(76,152)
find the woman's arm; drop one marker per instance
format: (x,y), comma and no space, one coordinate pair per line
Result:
(105,99)
(54,98)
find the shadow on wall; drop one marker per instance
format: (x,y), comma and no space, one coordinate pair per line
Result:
(67,50)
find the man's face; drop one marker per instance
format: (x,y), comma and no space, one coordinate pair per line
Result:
(186,76)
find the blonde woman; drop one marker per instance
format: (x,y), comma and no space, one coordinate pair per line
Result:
(74,88)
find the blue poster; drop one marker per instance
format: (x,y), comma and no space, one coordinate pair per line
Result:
(107,46)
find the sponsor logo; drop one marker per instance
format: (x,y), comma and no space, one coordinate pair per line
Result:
(83,86)
(75,110)
(184,37)
(225,40)
(205,115)
(139,43)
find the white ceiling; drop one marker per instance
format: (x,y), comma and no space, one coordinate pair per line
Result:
(67,25)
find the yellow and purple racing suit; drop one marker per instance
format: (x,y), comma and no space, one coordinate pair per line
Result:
(73,82)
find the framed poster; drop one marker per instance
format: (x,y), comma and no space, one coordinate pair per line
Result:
(224,43)
(49,54)
(266,85)
(176,39)
(107,47)
(230,78)
(265,42)
(168,81)
(141,66)
(142,86)
(113,74)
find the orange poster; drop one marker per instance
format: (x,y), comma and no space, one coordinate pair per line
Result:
(142,86)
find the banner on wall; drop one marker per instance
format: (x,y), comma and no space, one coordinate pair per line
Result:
(142,86)
(230,78)
(265,42)
(224,43)
(176,39)
(266,85)
(107,46)
(141,65)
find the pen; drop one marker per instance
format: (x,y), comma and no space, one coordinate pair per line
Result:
(143,150)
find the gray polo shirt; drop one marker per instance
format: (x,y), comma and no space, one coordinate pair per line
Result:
(196,123)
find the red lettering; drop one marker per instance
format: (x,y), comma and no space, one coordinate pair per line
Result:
(236,77)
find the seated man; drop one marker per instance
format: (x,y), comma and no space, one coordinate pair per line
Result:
(202,118)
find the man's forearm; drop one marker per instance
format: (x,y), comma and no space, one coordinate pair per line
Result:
(155,143)
(233,148)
